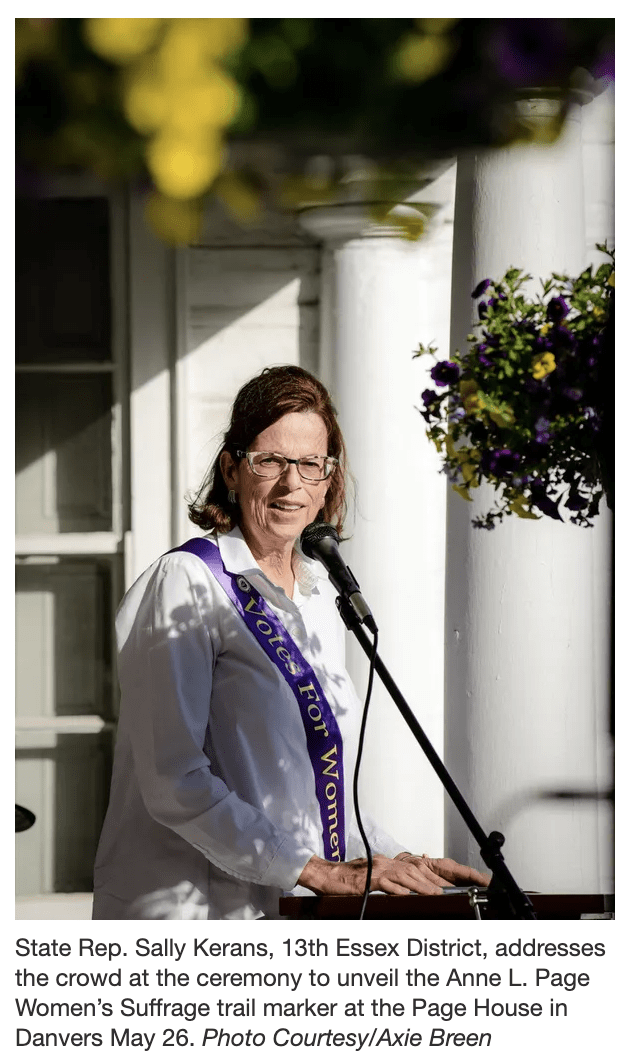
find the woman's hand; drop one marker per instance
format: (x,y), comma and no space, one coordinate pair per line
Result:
(445,872)
(400,876)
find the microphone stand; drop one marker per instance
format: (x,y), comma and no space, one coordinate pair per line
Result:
(504,896)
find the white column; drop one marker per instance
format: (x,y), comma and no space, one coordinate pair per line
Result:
(527,604)
(380,298)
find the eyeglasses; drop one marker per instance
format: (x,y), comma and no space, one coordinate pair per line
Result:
(272,465)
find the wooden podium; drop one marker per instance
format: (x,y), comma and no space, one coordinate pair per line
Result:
(453,906)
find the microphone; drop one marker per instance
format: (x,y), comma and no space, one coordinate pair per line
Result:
(319,540)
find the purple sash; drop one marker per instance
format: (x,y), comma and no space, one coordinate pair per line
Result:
(324,742)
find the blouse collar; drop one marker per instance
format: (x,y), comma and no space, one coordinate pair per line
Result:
(237,558)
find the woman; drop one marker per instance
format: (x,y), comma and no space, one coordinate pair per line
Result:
(239,723)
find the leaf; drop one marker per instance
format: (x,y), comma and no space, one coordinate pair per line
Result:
(462,491)
(518,506)
(468,471)
(500,413)
(425,350)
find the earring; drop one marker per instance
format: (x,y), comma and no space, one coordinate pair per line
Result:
(232,498)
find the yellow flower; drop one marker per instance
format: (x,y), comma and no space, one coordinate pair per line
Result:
(468,389)
(545,328)
(542,365)
(611,279)
(184,167)
(121,40)
(472,403)
(420,57)
(598,312)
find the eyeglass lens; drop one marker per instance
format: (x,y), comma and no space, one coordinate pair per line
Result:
(271,465)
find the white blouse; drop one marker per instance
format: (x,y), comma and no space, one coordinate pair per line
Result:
(213,811)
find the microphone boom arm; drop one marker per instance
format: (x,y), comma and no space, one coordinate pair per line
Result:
(504,893)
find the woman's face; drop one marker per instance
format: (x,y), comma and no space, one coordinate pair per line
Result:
(275,511)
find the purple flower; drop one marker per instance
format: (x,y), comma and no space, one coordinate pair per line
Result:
(482,309)
(572,393)
(481,351)
(494,301)
(557,309)
(432,405)
(445,373)
(538,390)
(481,287)
(561,336)
(591,350)
(456,415)
(500,461)
(542,433)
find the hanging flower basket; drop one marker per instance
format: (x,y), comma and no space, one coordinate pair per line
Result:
(528,406)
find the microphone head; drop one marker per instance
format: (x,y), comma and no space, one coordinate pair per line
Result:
(313,534)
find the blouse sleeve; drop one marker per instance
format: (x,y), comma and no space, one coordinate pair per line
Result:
(379,840)
(167,656)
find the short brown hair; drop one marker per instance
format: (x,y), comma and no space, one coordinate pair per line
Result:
(260,403)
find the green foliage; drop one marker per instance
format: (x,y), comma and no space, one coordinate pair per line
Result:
(241,109)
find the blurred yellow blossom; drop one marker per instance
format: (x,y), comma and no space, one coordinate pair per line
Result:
(175,91)
(145,100)
(436,25)
(182,166)
(122,40)
(191,44)
(420,57)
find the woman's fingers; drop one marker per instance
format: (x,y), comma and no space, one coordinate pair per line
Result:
(387,885)
(406,873)
(408,877)
(460,874)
